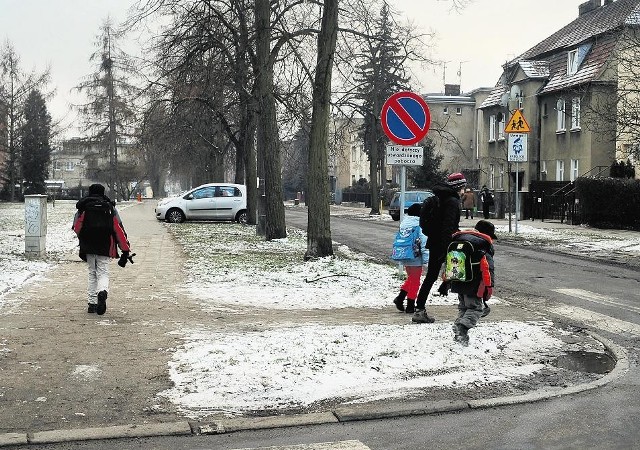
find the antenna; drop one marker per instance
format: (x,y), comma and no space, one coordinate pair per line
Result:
(444,72)
(460,74)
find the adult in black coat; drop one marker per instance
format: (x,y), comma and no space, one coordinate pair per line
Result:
(440,226)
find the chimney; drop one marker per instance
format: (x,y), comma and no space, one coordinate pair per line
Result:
(451,89)
(589,6)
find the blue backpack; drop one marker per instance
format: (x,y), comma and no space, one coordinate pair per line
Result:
(406,245)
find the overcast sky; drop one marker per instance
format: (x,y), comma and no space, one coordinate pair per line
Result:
(61,34)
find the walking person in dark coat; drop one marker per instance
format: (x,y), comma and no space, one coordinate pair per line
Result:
(99,229)
(486,197)
(442,223)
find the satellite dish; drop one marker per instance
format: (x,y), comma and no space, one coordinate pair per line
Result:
(560,105)
(515,91)
(504,100)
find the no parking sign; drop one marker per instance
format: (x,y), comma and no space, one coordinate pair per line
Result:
(405,118)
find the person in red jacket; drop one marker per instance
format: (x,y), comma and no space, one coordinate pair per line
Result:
(100,232)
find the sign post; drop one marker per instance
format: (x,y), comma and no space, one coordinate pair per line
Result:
(405,119)
(517,127)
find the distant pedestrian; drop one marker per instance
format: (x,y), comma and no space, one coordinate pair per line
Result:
(473,294)
(486,197)
(468,202)
(439,219)
(413,267)
(99,229)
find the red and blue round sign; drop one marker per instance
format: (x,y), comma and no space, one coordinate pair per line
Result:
(405,118)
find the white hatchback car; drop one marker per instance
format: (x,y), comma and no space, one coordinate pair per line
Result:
(212,201)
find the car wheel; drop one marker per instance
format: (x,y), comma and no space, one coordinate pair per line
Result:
(175,216)
(242,218)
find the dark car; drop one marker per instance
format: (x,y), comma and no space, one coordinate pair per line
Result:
(410,197)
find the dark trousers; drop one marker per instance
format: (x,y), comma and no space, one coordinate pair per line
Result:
(485,210)
(433,270)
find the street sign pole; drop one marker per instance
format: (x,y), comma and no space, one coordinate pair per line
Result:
(403,188)
(517,127)
(517,196)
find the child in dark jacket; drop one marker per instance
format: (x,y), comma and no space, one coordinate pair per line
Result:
(472,295)
(100,232)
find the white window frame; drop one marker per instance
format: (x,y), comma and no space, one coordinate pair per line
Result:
(492,128)
(354,153)
(520,101)
(574,170)
(575,113)
(445,110)
(501,127)
(501,177)
(572,62)
(559,170)
(458,110)
(561,120)
(492,174)
(69,166)
(543,167)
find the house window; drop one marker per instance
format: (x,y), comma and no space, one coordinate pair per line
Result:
(575,113)
(561,116)
(559,170)
(543,170)
(501,128)
(459,110)
(492,127)
(572,62)
(446,110)
(354,153)
(544,110)
(353,180)
(574,169)
(57,165)
(70,166)
(520,100)
(492,174)
(501,177)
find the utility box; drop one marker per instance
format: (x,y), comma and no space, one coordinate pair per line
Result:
(35,225)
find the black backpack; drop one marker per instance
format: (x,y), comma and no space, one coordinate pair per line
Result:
(98,217)
(430,209)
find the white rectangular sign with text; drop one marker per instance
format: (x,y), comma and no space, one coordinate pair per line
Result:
(399,155)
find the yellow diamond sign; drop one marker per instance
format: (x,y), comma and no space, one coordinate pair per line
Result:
(517,124)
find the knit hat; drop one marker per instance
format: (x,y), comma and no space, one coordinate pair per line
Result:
(486,227)
(96,189)
(456,181)
(414,210)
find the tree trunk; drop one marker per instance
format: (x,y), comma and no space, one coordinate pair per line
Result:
(374,157)
(317,195)
(269,148)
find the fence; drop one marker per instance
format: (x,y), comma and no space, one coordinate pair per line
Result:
(359,197)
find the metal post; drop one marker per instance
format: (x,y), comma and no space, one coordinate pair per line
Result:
(517,196)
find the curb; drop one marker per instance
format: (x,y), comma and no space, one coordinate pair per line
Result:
(338,415)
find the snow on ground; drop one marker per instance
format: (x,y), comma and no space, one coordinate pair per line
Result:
(229,269)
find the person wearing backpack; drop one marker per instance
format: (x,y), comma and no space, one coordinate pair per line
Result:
(486,197)
(439,219)
(413,259)
(470,271)
(99,229)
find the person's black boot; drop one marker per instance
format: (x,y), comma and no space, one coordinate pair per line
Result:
(411,306)
(102,303)
(399,300)
(91,308)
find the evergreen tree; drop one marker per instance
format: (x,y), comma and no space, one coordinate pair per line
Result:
(429,173)
(381,75)
(34,144)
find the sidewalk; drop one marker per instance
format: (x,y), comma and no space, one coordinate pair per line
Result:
(68,375)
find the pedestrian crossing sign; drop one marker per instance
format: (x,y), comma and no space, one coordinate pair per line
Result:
(517,123)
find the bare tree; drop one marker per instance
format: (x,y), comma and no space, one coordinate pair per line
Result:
(319,228)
